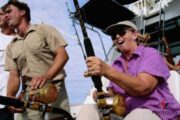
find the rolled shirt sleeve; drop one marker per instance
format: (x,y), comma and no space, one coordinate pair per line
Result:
(53,38)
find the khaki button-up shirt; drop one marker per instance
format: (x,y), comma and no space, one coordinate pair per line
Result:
(34,54)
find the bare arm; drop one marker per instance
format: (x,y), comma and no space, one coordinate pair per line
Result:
(165,42)
(13,83)
(59,62)
(13,87)
(171,66)
(140,85)
(168,51)
(61,57)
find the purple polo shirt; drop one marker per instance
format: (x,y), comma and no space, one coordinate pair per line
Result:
(160,101)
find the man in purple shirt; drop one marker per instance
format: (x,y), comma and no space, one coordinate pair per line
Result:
(140,75)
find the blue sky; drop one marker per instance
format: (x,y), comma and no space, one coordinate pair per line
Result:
(54,12)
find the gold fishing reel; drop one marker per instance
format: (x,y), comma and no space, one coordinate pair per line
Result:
(116,103)
(47,94)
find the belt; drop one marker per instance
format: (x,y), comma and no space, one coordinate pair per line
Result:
(56,81)
(27,78)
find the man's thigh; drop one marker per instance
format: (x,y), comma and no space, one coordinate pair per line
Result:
(62,102)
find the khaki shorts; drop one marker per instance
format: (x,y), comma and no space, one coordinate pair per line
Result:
(61,102)
(142,114)
(136,114)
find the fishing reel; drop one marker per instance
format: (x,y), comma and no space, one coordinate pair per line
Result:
(47,94)
(38,100)
(115,104)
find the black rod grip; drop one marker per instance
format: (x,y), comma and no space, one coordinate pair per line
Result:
(11,102)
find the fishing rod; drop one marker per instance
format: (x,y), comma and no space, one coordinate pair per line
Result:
(102,103)
(88,47)
(102,44)
(34,106)
(79,42)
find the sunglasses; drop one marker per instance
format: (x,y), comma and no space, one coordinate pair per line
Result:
(120,33)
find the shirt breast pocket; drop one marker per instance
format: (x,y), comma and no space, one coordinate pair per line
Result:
(35,42)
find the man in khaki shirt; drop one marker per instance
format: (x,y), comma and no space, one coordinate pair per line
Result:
(37,51)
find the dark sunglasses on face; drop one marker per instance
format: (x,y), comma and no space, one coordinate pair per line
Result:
(120,33)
